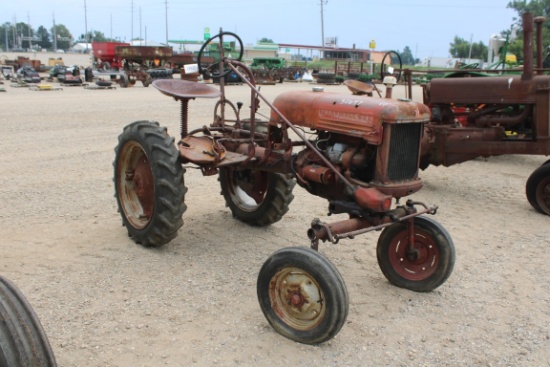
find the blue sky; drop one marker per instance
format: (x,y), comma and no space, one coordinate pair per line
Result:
(426,26)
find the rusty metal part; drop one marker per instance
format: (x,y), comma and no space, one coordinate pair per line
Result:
(135,185)
(23,341)
(372,198)
(352,227)
(507,121)
(143,185)
(297,298)
(318,174)
(502,90)
(539,21)
(357,116)
(527,22)
(201,150)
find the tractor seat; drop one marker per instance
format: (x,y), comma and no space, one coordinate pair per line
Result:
(359,88)
(184,89)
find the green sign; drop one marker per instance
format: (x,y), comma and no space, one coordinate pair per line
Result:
(206,33)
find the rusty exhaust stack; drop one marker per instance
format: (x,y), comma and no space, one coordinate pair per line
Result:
(538,23)
(527,19)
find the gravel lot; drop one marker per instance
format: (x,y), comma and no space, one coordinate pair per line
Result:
(105,301)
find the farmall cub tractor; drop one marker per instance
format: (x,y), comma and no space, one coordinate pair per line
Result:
(362,156)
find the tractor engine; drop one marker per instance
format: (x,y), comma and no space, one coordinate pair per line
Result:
(373,143)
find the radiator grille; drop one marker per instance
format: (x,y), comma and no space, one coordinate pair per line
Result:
(404,150)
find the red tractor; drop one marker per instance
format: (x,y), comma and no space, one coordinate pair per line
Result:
(362,156)
(494,115)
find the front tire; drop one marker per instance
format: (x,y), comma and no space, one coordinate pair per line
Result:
(425,268)
(149,185)
(147,81)
(124,81)
(302,295)
(258,198)
(537,189)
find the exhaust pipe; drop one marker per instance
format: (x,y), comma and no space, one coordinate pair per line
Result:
(527,46)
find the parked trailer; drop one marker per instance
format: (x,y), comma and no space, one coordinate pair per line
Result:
(127,64)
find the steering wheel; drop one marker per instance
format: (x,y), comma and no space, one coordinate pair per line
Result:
(206,47)
(382,73)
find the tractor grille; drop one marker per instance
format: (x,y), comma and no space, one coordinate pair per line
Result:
(404,149)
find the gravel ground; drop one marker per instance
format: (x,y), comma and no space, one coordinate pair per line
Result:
(105,301)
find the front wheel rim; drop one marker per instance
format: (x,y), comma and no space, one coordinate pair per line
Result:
(297,299)
(416,265)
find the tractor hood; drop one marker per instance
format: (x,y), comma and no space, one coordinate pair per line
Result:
(352,115)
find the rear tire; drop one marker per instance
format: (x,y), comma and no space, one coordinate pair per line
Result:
(258,198)
(537,189)
(149,185)
(23,341)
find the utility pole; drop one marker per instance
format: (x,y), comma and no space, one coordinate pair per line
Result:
(86,25)
(6,38)
(132,23)
(15,43)
(166,12)
(54,34)
(470,53)
(322,2)
(30,33)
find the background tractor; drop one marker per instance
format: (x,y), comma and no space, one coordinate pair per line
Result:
(359,153)
(494,115)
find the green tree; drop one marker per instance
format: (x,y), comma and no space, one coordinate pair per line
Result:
(538,8)
(266,40)
(460,48)
(45,40)
(63,36)
(95,36)
(6,29)
(407,56)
